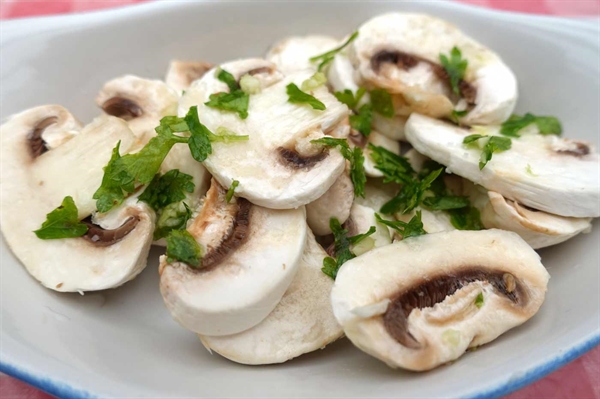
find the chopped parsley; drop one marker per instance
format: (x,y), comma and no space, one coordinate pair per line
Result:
(349,98)
(395,168)
(315,81)
(327,57)
(167,189)
(297,96)
(361,120)
(124,173)
(62,222)
(172,217)
(382,103)
(445,202)
(411,194)
(479,300)
(342,250)
(546,125)
(413,228)
(455,67)
(494,144)
(181,246)
(456,115)
(236,100)
(467,218)
(231,190)
(356,158)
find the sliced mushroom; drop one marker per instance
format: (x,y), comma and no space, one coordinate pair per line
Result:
(277,167)
(400,53)
(294,53)
(537,171)
(539,229)
(424,301)
(377,193)
(116,245)
(250,258)
(341,75)
(392,128)
(361,219)
(141,102)
(181,74)
(335,203)
(302,322)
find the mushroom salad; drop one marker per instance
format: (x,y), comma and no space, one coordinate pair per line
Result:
(376,186)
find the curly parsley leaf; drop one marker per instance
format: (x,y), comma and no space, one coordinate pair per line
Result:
(62,222)
(455,67)
(356,158)
(231,190)
(395,168)
(297,96)
(361,121)
(167,189)
(546,125)
(181,246)
(328,56)
(413,228)
(467,218)
(172,217)
(410,195)
(342,250)
(382,103)
(349,98)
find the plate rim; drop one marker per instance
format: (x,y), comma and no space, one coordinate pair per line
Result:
(64,390)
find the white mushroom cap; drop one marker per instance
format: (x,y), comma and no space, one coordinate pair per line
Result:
(548,173)
(251,257)
(400,53)
(141,102)
(341,75)
(293,53)
(539,229)
(360,221)
(32,186)
(181,74)
(335,203)
(412,304)
(377,194)
(302,322)
(277,167)
(392,128)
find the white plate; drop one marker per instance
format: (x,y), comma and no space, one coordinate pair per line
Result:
(123,342)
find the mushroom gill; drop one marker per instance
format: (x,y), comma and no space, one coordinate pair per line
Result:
(37,145)
(122,108)
(106,237)
(293,160)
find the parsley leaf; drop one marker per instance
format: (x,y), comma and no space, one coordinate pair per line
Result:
(356,158)
(479,300)
(546,125)
(166,189)
(116,179)
(348,98)
(342,249)
(495,144)
(382,103)
(183,247)
(455,67)
(236,101)
(297,96)
(456,115)
(62,222)
(394,167)
(445,202)
(231,190)
(361,121)
(467,218)
(413,228)
(327,57)
(228,79)
(410,195)
(172,217)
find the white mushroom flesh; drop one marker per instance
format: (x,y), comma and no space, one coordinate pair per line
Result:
(547,173)
(335,203)
(294,53)
(251,257)
(302,322)
(181,74)
(424,301)
(277,167)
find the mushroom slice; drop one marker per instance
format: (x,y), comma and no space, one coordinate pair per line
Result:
(400,53)
(302,322)
(293,53)
(361,219)
(250,258)
(539,229)
(423,301)
(277,167)
(335,203)
(377,193)
(392,128)
(116,245)
(141,102)
(181,74)
(341,75)
(548,173)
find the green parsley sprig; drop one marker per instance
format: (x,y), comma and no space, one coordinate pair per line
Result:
(231,190)
(413,228)
(494,144)
(236,100)
(328,56)
(356,158)
(297,96)
(349,98)
(546,125)
(342,250)
(167,189)
(62,222)
(382,103)
(455,67)
(181,246)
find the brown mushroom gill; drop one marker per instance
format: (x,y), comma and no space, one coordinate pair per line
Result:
(407,61)
(37,145)
(357,138)
(103,237)
(122,108)
(293,160)
(578,149)
(434,290)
